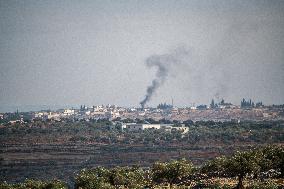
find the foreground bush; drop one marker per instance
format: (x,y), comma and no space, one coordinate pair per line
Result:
(172,172)
(242,164)
(35,184)
(102,178)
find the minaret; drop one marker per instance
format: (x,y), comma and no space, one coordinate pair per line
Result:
(172,102)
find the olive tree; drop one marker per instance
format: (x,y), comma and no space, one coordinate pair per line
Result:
(273,158)
(35,184)
(129,177)
(102,178)
(171,172)
(241,164)
(215,167)
(93,179)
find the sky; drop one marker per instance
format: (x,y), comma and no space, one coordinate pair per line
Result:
(67,53)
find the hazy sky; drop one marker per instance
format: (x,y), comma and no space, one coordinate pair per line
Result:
(94,52)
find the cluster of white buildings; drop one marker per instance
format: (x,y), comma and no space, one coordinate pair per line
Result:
(224,112)
(94,112)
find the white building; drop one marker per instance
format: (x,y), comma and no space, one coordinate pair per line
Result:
(171,127)
(140,127)
(53,115)
(39,115)
(68,112)
(166,127)
(112,114)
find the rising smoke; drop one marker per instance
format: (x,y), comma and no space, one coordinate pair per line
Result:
(165,64)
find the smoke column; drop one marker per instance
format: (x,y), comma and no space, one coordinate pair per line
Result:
(164,64)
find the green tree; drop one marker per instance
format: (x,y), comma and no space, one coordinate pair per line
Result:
(241,164)
(132,178)
(93,179)
(212,104)
(35,184)
(102,178)
(171,172)
(215,167)
(273,158)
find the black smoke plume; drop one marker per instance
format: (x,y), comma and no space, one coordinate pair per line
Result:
(164,64)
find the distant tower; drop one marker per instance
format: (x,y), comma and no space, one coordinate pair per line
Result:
(172,102)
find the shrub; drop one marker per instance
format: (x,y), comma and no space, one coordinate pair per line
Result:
(102,178)
(172,172)
(35,184)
